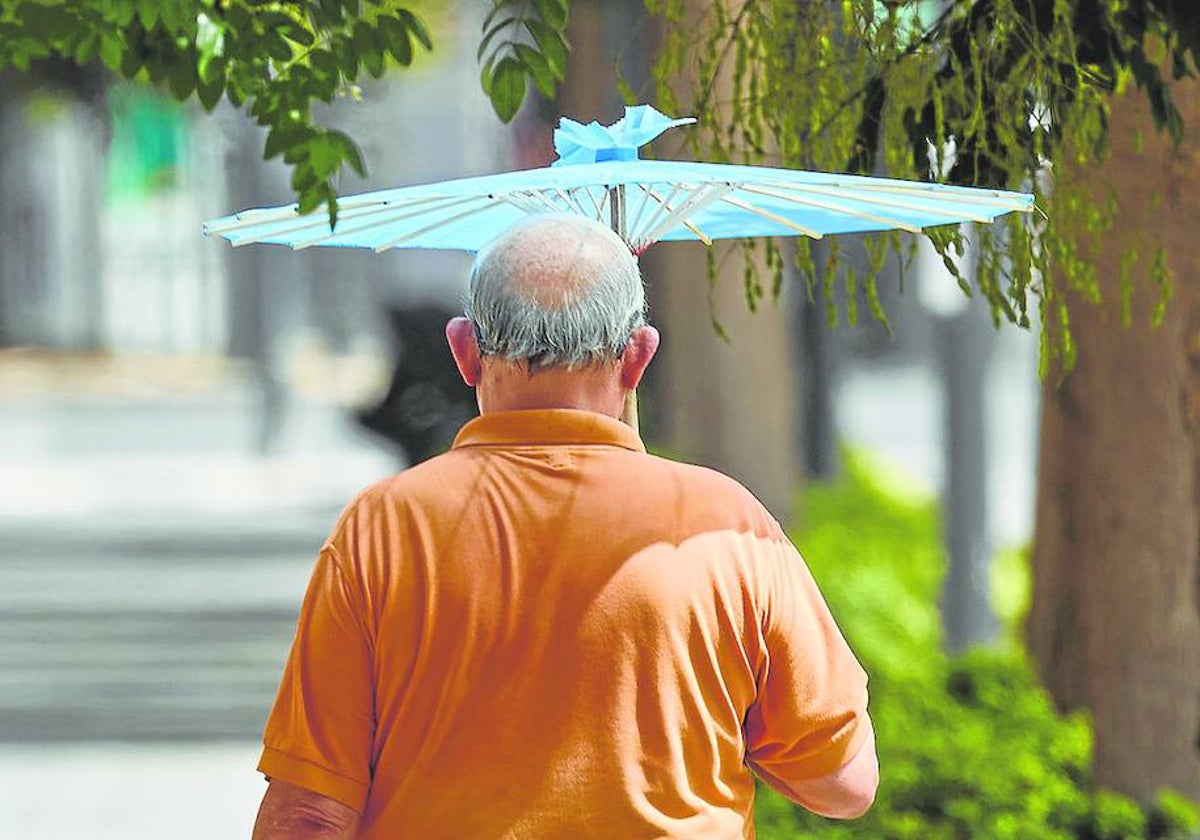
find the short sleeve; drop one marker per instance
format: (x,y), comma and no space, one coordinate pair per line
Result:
(810,714)
(320,733)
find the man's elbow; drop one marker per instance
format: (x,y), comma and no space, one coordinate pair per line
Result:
(846,793)
(853,801)
(290,812)
(850,801)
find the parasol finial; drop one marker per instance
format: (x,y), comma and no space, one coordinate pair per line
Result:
(595,143)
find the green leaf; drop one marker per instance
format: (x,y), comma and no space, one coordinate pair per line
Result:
(373,63)
(211,70)
(497,7)
(507,89)
(209,92)
(283,137)
(235,93)
(485,76)
(266,108)
(304,181)
(351,154)
(112,52)
(86,49)
(538,69)
(324,65)
(324,155)
(310,200)
(552,45)
(277,46)
(370,50)
(345,52)
(417,27)
(182,78)
(395,36)
(554,12)
(44,23)
(490,34)
(210,45)
(120,12)
(148,12)
(330,198)
(300,34)
(177,17)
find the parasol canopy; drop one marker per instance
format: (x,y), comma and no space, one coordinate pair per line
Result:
(599,174)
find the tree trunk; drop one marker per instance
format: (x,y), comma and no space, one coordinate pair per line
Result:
(733,405)
(1114,625)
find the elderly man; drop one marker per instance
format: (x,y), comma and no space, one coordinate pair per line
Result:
(547,632)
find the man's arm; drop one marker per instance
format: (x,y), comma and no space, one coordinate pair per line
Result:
(846,793)
(808,732)
(290,812)
(318,738)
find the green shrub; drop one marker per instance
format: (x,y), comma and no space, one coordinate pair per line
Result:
(970,746)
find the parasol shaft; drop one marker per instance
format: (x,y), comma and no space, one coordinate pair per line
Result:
(616,210)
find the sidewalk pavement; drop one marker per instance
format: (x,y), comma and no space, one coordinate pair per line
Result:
(151,566)
(128,448)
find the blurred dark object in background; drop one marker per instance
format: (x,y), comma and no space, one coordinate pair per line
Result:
(427,402)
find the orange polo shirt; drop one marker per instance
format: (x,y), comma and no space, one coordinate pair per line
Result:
(548,633)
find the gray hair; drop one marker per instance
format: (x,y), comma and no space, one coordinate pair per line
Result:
(555,290)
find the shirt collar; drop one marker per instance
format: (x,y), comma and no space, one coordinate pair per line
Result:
(547,427)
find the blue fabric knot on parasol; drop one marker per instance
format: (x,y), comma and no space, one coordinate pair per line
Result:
(595,143)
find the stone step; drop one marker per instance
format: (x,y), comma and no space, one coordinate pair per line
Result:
(141,675)
(159,627)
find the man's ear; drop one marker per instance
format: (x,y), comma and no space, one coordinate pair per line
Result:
(464,347)
(639,350)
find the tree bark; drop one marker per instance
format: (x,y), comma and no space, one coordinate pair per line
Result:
(1114,625)
(733,405)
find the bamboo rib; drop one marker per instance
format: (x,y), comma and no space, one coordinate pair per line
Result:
(300,246)
(836,208)
(569,201)
(596,204)
(414,234)
(262,216)
(641,209)
(364,210)
(701,198)
(881,202)
(545,199)
(663,205)
(989,197)
(774,217)
(267,215)
(521,201)
(674,214)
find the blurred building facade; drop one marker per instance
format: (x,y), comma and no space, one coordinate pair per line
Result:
(105,196)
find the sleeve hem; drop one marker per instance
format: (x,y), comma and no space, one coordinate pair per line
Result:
(275,764)
(828,761)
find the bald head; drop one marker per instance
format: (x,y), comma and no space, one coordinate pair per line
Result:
(556,290)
